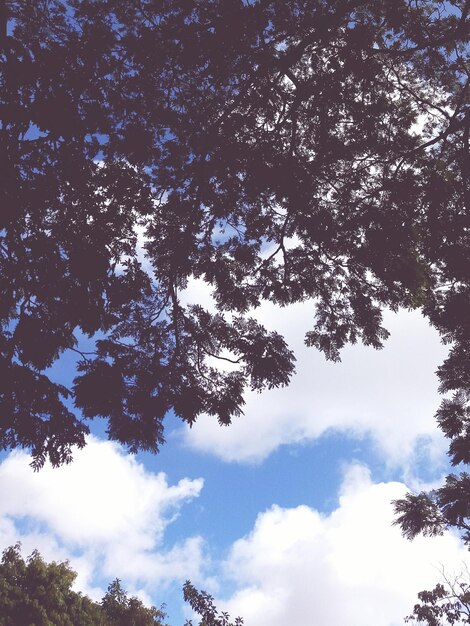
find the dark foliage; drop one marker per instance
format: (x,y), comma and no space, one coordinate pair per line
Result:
(431,513)
(264,147)
(447,604)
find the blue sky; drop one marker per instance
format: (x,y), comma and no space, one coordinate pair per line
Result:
(282,516)
(285,516)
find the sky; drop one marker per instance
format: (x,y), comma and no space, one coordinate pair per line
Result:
(285,516)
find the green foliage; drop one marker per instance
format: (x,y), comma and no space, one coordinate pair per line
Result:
(33,592)
(203,604)
(36,593)
(123,611)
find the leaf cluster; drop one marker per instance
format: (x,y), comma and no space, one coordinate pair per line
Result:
(40,593)
(433,512)
(447,604)
(202,603)
(266,149)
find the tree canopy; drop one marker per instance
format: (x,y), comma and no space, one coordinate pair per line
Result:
(40,593)
(281,151)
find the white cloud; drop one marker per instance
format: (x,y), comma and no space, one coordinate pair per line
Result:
(350,567)
(105,512)
(296,566)
(389,395)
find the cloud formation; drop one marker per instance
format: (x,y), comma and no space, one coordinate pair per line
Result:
(351,567)
(388,395)
(105,512)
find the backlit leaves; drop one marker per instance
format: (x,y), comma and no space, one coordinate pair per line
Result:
(268,149)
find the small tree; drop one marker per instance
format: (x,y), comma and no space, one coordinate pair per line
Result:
(203,604)
(124,611)
(447,604)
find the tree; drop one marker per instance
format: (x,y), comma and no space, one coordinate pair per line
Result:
(34,592)
(203,604)
(266,148)
(124,611)
(447,604)
(39,593)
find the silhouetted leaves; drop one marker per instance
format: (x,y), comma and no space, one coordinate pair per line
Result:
(267,149)
(447,604)
(432,513)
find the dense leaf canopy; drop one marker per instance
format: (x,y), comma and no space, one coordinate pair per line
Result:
(280,151)
(40,593)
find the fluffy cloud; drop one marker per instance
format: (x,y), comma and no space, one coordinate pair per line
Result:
(389,395)
(105,512)
(351,567)
(108,515)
